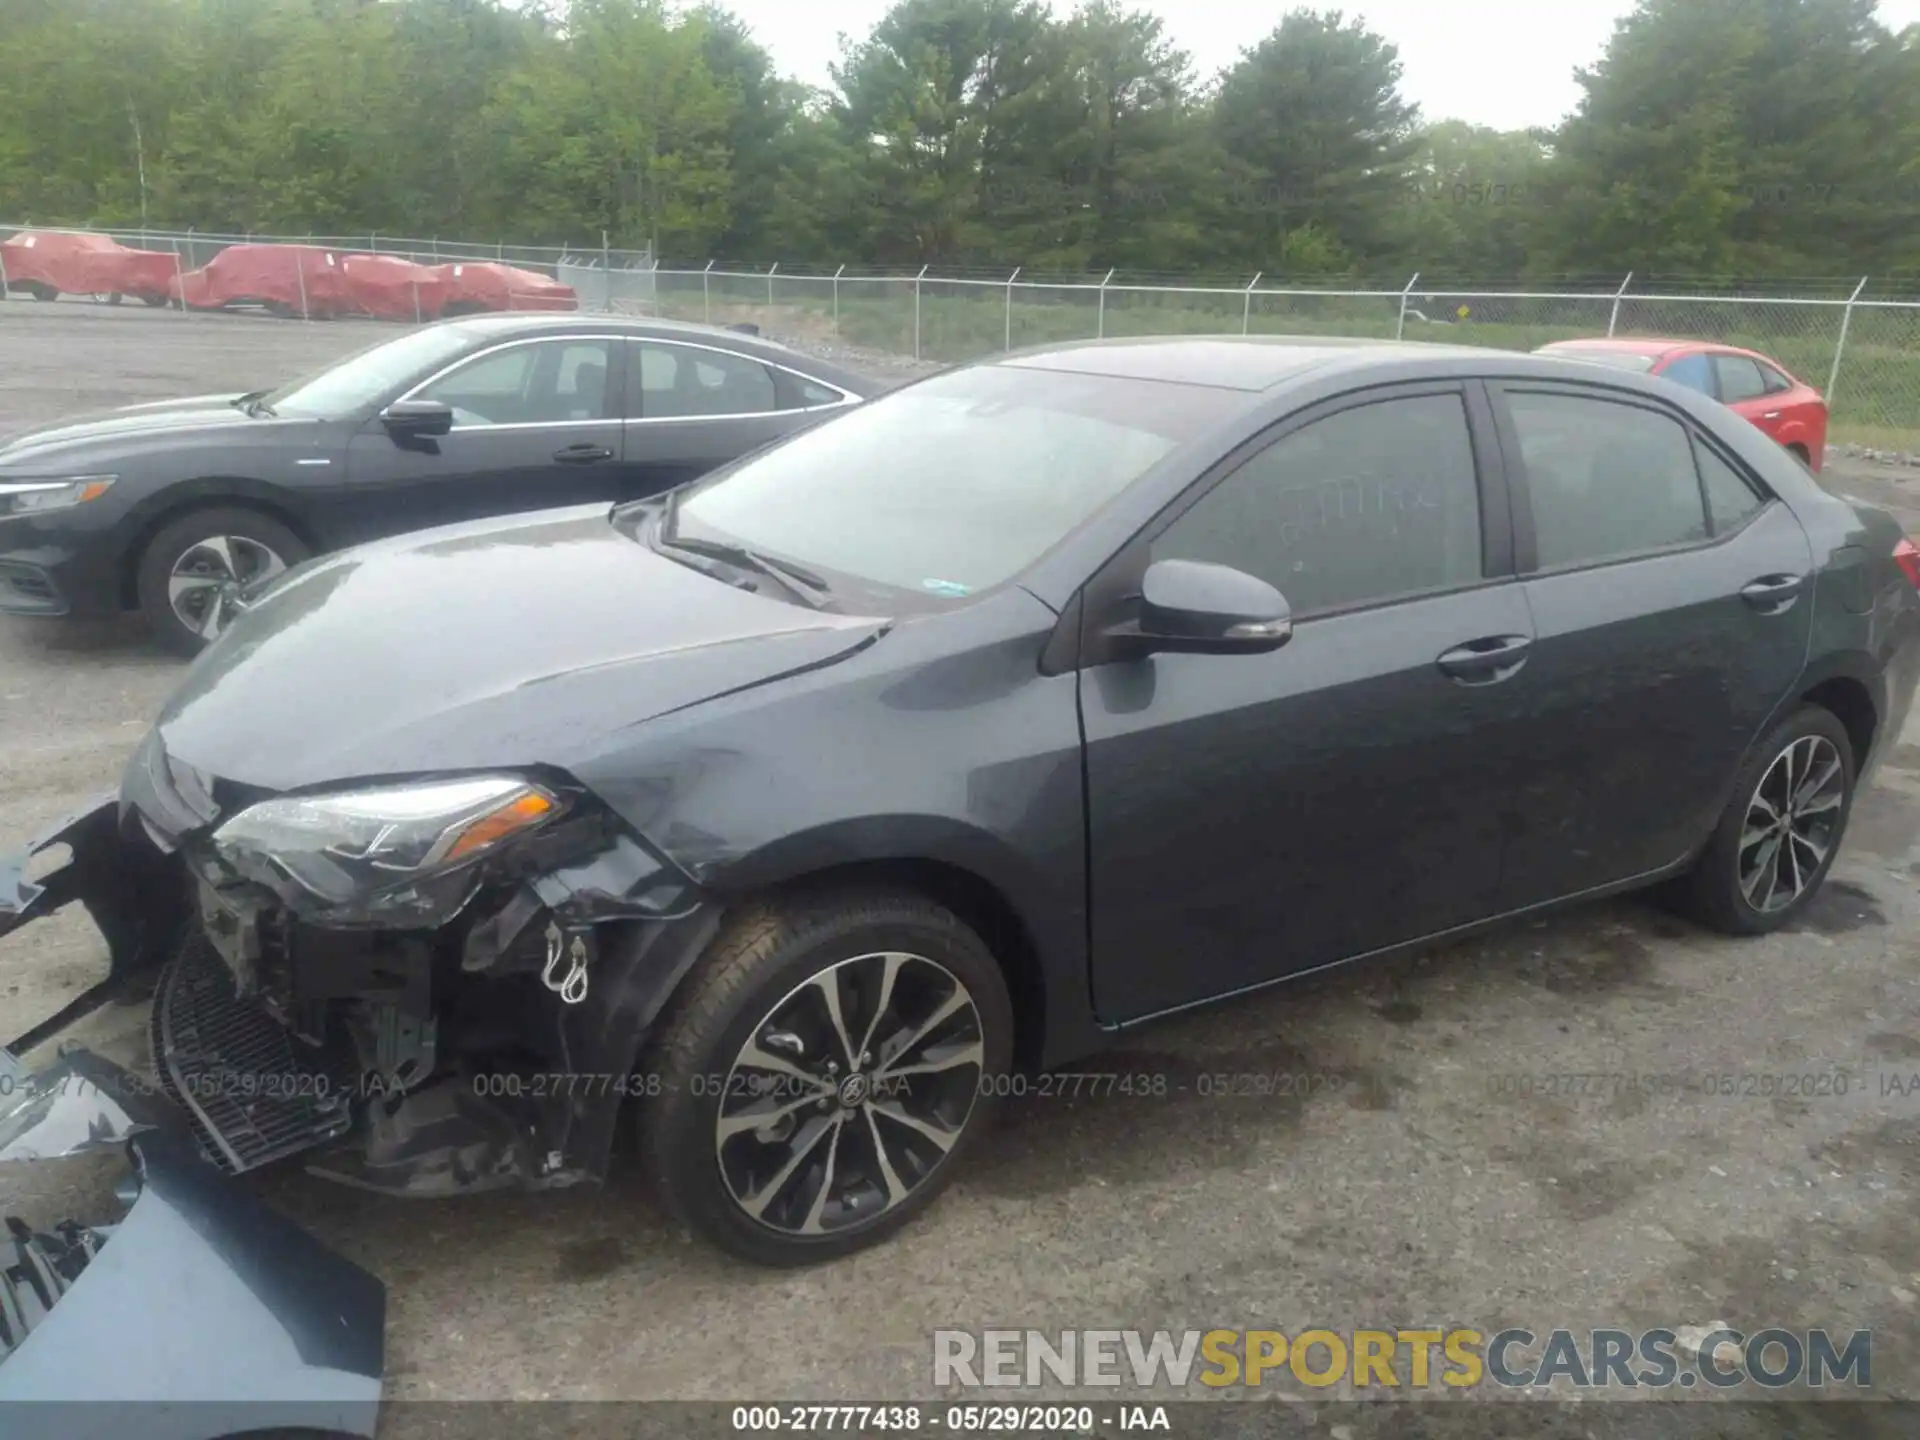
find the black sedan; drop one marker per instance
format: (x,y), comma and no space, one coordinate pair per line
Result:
(795,812)
(173,509)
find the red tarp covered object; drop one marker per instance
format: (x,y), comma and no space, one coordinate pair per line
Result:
(487,285)
(46,262)
(292,278)
(388,287)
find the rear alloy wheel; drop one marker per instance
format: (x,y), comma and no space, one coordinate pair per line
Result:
(1778,837)
(823,1074)
(194,570)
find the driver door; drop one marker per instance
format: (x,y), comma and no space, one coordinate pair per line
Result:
(536,426)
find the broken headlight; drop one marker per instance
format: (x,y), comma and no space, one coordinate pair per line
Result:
(400,855)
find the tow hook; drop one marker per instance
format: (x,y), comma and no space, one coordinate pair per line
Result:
(569,952)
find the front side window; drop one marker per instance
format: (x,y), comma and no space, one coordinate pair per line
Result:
(1740,378)
(553,382)
(955,484)
(1364,505)
(680,382)
(1606,479)
(371,376)
(1693,371)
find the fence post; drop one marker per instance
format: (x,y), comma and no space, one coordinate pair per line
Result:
(1010,279)
(836,300)
(300,274)
(436,249)
(1613,318)
(776,266)
(1101,332)
(1400,326)
(1246,308)
(1846,319)
(916,310)
(416,302)
(606,273)
(3,277)
(706,294)
(500,251)
(373,242)
(180,277)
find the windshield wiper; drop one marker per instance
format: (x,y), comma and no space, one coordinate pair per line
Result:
(252,403)
(795,579)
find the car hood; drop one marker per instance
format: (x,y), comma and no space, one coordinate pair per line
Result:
(202,412)
(509,642)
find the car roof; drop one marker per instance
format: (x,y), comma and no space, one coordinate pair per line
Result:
(646,326)
(1632,344)
(1249,363)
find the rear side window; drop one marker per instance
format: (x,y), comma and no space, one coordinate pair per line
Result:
(680,382)
(1605,479)
(1775,381)
(812,393)
(1692,371)
(1730,500)
(1740,378)
(1364,505)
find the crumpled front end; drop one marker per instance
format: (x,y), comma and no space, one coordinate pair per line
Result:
(463,1031)
(199,1313)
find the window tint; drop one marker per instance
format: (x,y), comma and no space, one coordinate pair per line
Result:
(1740,378)
(678,382)
(1730,500)
(550,383)
(812,394)
(1372,502)
(1693,371)
(1604,479)
(1776,382)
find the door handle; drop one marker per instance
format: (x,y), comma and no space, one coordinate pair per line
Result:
(1484,661)
(583,454)
(1771,594)
(1771,415)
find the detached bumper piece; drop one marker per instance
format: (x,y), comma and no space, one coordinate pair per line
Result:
(252,1091)
(199,1315)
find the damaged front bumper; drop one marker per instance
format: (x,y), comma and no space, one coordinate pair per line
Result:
(199,1314)
(277,1038)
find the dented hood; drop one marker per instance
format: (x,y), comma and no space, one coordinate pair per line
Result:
(508,642)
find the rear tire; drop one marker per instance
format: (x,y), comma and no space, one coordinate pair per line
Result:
(1778,837)
(1800,453)
(40,291)
(851,1146)
(193,565)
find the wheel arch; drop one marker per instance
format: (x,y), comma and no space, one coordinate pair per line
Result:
(1849,700)
(208,493)
(1037,939)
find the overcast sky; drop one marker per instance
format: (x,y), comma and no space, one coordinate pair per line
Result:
(1506,63)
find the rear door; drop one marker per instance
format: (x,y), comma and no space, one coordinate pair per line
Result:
(691,408)
(1252,816)
(536,425)
(1671,612)
(1743,389)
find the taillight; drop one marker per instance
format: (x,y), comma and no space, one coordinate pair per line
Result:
(1907,556)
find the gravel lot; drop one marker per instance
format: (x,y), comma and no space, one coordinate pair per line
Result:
(1417,1183)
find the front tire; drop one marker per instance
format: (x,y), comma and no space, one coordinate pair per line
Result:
(194,566)
(823,1073)
(1779,835)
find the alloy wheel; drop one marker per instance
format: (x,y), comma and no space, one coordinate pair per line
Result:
(1792,823)
(207,579)
(849,1093)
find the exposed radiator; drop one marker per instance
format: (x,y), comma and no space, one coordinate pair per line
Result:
(253,1091)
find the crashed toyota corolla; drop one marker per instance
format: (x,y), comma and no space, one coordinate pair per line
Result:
(792,813)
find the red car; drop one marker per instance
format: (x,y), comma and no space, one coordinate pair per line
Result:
(49,263)
(1750,384)
(391,287)
(477,285)
(286,279)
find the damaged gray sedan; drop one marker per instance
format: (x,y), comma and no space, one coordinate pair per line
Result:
(792,817)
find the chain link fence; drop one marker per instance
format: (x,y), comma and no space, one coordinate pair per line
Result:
(1864,353)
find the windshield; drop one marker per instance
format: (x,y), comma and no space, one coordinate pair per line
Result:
(955,484)
(348,386)
(1619,359)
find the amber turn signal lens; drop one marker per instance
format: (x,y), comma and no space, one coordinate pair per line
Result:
(516,814)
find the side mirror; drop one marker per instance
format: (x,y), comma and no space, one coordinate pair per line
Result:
(417,419)
(1192,607)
